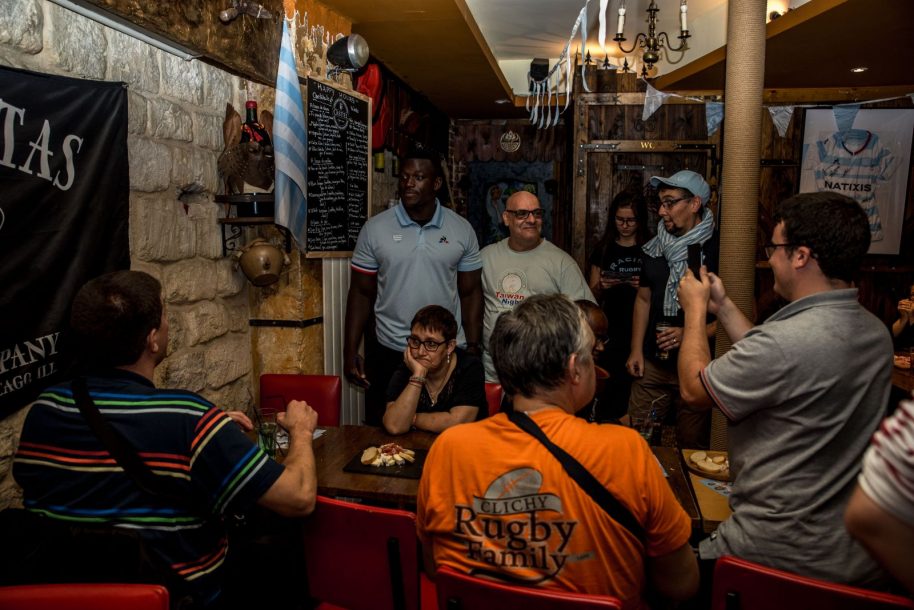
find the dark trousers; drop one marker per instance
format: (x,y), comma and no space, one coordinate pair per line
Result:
(380,365)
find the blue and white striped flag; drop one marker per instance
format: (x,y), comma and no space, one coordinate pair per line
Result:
(290,143)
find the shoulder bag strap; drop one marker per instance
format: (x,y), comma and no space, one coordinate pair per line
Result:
(586,481)
(121,450)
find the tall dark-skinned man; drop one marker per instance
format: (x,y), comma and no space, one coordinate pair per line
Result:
(416,254)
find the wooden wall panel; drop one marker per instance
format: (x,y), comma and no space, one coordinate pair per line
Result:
(246,45)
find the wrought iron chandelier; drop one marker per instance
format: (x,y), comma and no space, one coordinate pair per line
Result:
(653,43)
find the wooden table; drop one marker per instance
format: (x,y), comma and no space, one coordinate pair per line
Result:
(335,448)
(682,489)
(713,507)
(903,379)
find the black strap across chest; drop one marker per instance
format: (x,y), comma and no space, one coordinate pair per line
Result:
(586,481)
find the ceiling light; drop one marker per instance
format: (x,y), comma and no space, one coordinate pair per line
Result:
(503,100)
(116,22)
(652,43)
(859,69)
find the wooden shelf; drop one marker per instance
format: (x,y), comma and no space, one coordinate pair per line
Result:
(231,231)
(247,220)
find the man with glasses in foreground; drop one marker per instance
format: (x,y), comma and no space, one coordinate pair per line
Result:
(657,318)
(803,392)
(524,264)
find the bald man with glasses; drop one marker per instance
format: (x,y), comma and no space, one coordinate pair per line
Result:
(524,264)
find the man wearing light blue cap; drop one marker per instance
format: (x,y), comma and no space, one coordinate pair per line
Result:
(657,320)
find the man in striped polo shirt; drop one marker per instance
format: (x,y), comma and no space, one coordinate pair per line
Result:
(68,476)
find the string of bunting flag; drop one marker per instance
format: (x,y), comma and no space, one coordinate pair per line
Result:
(780,114)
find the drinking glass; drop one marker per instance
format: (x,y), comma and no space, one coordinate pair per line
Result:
(266,437)
(659,327)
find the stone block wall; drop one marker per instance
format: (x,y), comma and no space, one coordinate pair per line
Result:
(176,109)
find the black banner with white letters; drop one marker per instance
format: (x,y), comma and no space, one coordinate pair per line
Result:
(64,207)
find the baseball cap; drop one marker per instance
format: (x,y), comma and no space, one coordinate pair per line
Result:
(685,179)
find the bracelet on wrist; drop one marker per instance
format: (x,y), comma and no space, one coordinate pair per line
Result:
(417,379)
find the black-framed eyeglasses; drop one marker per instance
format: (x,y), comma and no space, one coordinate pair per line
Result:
(601,339)
(430,346)
(626,221)
(669,203)
(771,247)
(522,214)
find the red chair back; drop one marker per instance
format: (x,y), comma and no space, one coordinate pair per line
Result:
(362,557)
(84,597)
(493,397)
(458,591)
(323,392)
(743,585)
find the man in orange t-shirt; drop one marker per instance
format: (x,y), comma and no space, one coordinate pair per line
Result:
(494,502)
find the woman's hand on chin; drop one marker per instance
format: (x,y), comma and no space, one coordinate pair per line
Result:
(416,368)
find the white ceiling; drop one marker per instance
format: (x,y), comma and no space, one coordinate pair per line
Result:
(518,30)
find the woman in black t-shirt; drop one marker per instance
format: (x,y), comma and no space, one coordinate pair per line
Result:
(615,267)
(438,385)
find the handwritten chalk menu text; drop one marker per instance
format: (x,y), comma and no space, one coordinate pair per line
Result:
(337,168)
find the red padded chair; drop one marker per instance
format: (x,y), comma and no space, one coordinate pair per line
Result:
(458,591)
(84,597)
(743,585)
(493,397)
(322,392)
(362,557)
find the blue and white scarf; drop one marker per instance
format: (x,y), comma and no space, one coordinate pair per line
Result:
(676,252)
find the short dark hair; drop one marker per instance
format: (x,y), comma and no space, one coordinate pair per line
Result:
(532,343)
(425,154)
(833,226)
(113,314)
(436,318)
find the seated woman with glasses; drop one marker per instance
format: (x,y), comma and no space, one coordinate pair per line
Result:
(438,385)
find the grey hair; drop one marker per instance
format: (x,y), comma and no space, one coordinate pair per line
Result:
(531,344)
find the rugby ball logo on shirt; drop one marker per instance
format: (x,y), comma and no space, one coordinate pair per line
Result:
(516,528)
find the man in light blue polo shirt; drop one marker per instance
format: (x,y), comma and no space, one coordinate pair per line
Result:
(418,253)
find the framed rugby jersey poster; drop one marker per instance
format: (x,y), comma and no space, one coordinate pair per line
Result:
(866,155)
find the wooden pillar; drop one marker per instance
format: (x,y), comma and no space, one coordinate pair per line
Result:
(743,98)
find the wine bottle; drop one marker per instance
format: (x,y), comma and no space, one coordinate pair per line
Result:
(253,130)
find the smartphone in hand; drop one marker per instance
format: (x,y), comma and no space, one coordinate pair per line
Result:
(695,260)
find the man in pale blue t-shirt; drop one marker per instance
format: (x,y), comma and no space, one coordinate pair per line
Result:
(416,254)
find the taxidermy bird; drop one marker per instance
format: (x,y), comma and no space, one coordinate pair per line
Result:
(243,165)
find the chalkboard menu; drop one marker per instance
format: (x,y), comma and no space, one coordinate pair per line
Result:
(338,162)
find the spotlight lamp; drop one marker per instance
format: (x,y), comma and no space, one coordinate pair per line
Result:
(348,54)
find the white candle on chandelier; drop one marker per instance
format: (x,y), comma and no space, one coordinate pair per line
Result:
(683,8)
(621,19)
